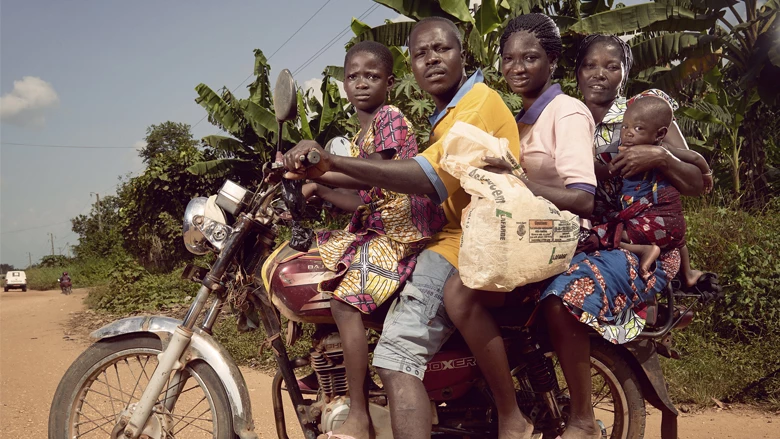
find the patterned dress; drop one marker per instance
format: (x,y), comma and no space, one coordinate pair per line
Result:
(377,251)
(603,289)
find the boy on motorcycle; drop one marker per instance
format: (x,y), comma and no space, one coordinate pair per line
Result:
(417,325)
(378,249)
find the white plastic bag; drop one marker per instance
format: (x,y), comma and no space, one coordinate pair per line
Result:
(510,237)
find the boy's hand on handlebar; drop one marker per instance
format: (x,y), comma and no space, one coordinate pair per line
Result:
(295,161)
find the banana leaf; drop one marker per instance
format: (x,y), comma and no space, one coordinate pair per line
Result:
(219,111)
(226,144)
(358,27)
(708,113)
(331,103)
(527,6)
(389,34)
(663,49)
(458,9)
(644,17)
(487,18)
(260,88)
(476,46)
(304,117)
(687,71)
(222,167)
(334,72)
(592,7)
(419,9)
(261,119)
(400,68)
(649,72)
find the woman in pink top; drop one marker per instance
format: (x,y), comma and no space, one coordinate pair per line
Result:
(556,133)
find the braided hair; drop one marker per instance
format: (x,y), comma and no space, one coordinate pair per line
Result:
(541,26)
(377,49)
(626,57)
(447,24)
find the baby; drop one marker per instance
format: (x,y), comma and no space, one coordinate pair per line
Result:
(652,217)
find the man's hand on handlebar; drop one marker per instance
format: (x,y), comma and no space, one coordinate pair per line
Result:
(297,161)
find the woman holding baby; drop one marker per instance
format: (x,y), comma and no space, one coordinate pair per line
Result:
(603,290)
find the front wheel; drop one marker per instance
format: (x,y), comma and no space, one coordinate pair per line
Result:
(615,392)
(108,379)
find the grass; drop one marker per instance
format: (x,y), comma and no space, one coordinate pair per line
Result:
(83,274)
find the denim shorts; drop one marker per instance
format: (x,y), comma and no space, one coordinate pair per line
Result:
(417,325)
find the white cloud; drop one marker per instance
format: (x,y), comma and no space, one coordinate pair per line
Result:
(315,84)
(139,145)
(28,102)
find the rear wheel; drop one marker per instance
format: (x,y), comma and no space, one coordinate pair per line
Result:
(110,376)
(617,396)
(24,289)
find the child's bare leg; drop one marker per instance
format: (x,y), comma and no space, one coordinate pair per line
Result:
(353,341)
(647,256)
(688,275)
(470,315)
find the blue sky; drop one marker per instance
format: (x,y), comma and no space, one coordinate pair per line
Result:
(100,72)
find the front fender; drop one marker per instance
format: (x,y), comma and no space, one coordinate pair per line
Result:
(202,347)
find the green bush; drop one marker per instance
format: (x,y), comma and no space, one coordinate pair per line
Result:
(716,367)
(131,288)
(743,248)
(84,273)
(732,343)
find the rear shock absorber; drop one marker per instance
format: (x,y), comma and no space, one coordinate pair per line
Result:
(541,376)
(539,370)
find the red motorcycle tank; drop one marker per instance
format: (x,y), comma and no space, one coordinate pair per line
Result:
(291,278)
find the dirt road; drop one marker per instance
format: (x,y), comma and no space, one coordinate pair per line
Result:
(35,352)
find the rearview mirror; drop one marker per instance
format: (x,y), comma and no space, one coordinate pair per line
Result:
(285,97)
(339,146)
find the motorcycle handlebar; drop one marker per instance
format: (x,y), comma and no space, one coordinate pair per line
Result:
(310,159)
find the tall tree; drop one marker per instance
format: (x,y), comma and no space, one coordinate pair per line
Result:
(166,138)
(92,241)
(152,204)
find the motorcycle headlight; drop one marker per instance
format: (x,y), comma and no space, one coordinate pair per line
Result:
(194,240)
(204,224)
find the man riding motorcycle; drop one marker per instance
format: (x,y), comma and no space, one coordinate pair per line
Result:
(65,283)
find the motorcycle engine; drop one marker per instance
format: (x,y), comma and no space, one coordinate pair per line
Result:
(327,360)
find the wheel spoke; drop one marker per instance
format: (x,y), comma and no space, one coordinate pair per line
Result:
(191,424)
(100,426)
(193,408)
(106,393)
(105,375)
(605,394)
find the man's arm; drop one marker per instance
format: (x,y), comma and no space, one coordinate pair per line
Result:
(402,176)
(344,200)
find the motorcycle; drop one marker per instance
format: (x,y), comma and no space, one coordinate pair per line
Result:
(157,377)
(65,286)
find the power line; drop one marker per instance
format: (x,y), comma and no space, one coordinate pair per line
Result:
(67,146)
(333,41)
(272,55)
(34,228)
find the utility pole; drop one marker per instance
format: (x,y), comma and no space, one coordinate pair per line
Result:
(100,215)
(67,246)
(52,243)
(29,255)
